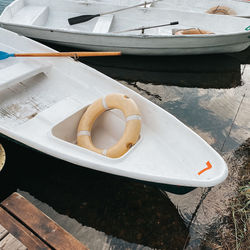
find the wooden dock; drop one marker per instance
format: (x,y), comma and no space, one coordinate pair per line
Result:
(23,226)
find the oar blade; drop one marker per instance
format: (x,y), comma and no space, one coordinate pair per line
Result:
(81,19)
(4,55)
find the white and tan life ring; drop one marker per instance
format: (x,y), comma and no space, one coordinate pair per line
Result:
(192,31)
(221,10)
(132,129)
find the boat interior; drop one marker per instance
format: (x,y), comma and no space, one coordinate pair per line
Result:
(106,131)
(48,14)
(29,88)
(224,7)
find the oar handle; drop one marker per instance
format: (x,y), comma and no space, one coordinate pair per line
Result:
(158,26)
(70,54)
(149,27)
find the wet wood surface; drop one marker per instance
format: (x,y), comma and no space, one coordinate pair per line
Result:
(23,226)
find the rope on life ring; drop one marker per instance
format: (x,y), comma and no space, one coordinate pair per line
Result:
(191,31)
(221,10)
(132,130)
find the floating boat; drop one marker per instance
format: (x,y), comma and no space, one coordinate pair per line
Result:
(219,7)
(137,30)
(52,104)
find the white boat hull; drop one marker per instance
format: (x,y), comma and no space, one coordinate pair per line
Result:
(232,36)
(43,99)
(139,45)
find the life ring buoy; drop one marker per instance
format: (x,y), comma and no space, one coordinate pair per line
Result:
(221,10)
(192,31)
(132,129)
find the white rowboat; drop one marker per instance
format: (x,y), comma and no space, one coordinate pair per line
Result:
(219,7)
(43,100)
(49,20)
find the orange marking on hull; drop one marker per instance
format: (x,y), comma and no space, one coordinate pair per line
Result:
(209,166)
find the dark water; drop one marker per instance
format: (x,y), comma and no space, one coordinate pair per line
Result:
(208,93)
(206,71)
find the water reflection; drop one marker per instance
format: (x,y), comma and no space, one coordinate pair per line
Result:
(202,118)
(204,71)
(117,206)
(211,113)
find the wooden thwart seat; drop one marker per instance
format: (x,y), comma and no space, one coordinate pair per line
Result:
(103,24)
(31,15)
(19,72)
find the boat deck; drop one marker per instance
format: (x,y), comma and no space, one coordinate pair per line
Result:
(23,226)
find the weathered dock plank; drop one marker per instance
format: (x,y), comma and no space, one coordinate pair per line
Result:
(11,243)
(41,225)
(3,232)
(19,231)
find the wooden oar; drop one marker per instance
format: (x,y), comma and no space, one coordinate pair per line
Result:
(148,27)
(2,157)
(4,55)
(85,18)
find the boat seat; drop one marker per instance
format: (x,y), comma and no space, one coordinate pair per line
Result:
(103,24)
(32,15)
(19,72)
